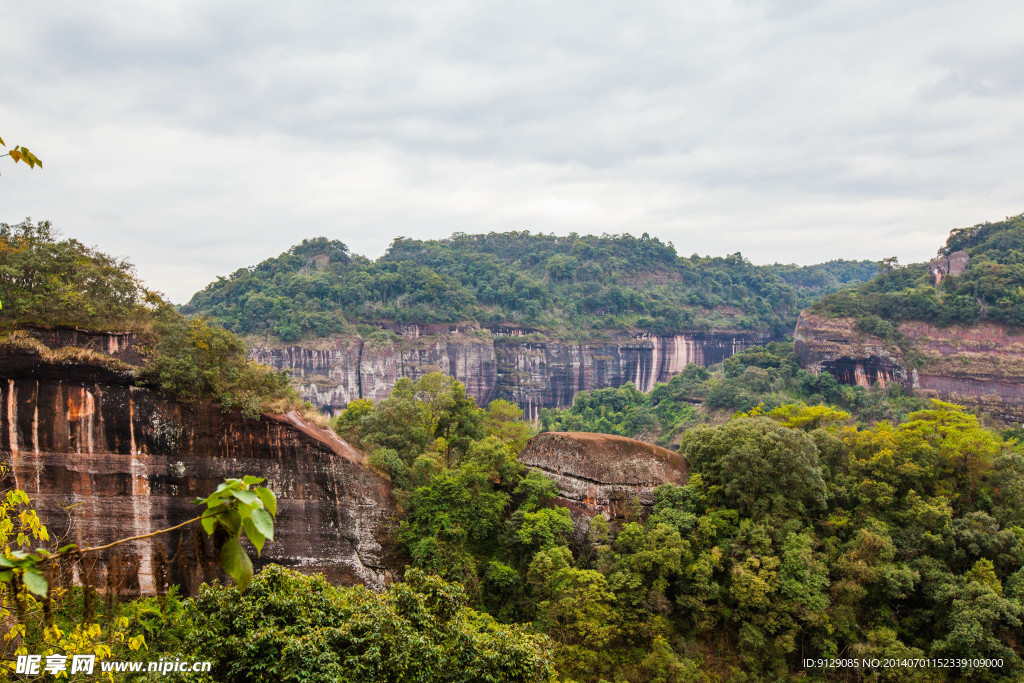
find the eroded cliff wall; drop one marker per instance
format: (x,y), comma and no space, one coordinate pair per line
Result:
(105,459)
(603,473)
(980,365)
(517,365)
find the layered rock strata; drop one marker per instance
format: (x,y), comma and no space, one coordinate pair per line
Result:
(510,363)
(982,365)
(103,459)
(603,474)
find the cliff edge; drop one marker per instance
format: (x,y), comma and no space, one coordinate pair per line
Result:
(104,458)
(980,365)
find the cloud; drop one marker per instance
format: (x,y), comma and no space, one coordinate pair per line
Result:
(196,138)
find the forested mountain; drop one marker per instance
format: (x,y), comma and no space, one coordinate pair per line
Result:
(990,289)
(556,284)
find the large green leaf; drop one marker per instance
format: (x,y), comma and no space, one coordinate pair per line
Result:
(236,563)
(264,522)
(35,582)
(247,497)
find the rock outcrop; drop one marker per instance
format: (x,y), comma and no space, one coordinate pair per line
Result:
(981,365)
(954,264)
(835,345)
(603,473)
(104,458)
(510,363)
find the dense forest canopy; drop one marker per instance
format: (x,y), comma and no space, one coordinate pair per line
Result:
(991,289)
(558,284)
(799,534)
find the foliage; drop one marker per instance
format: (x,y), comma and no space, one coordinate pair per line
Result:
(41,619)
(798,534)
(195,361)
(836,538)
(46,281)
(292,627)
(991,289)
(234,508)
(21,153)
(565,285)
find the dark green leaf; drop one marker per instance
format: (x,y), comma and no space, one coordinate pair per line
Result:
(232,520)
(258,539)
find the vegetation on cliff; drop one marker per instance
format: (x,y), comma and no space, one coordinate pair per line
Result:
(557,284)
(50,282)
(991,289)
(768,376)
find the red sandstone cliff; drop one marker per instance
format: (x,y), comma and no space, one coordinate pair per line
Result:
(982,365)
(104,459)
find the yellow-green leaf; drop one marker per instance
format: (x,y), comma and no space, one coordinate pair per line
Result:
(36,582)
(247,497)
(264,522)
(268,498)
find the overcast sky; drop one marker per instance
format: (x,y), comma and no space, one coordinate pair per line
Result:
(195,138)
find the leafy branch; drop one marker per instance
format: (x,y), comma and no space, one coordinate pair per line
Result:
(235,507)
(20,153)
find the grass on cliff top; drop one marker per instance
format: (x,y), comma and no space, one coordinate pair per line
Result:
(21,339)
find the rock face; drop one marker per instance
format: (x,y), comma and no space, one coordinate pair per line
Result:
(105,459)
(603,473)
(835,345)
(982,365)
(954,264)
(511,363)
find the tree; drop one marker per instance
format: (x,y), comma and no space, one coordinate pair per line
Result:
(292,627)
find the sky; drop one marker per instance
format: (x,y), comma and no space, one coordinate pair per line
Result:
(196,138)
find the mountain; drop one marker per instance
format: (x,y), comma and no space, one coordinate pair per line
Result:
(530,318)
